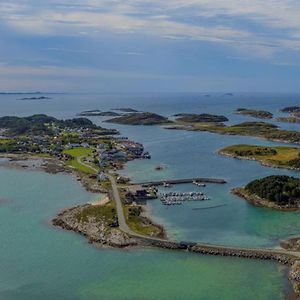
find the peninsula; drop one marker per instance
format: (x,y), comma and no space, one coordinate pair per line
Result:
(276,157)
(258,129)
(89,152)
(260,114)
(277,192)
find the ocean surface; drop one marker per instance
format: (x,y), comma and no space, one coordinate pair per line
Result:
(39,261)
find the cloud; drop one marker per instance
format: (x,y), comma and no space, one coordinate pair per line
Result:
(163,19)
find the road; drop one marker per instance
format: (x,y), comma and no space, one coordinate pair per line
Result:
(125,228)
(79,160)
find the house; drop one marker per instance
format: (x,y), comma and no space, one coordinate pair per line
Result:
(85,145)
(102,177)
(73,145)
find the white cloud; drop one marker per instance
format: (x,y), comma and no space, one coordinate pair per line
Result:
(253,26)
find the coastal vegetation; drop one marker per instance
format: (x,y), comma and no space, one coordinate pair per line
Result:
(276,191)
(260,114)
(273,156)
(41,124)
(139,223)
(258,129)
(144,118)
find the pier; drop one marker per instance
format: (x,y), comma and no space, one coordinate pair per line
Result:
(181,181)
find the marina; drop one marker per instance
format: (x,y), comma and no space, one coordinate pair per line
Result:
(175,198)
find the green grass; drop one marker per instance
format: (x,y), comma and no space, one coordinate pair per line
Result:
(257,129)
(106,213)
(79,152)
(5,141)
(75,163)
(283,157)
(136,224)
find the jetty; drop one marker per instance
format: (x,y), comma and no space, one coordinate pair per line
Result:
(181,181)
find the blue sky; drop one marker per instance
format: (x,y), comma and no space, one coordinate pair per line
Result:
(150,46)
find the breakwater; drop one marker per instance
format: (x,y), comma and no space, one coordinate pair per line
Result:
(264,254)
(182,181)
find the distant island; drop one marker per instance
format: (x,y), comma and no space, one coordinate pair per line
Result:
(277,191)
(144,118)
(288,120)
(98,113)
(210,123)
(21,93)
(277,157)
(258,129)
(202,118)
(290,109)
(126,109)
(260,114)
(36,98)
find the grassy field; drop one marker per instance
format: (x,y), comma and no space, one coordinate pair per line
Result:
(106,213)
(282,157)
(78,154)
(5,141)
(135,222)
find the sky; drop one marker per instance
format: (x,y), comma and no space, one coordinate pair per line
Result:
(124,46)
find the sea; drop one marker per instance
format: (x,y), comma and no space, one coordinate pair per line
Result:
(39,261)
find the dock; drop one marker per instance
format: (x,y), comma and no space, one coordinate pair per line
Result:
(181,181)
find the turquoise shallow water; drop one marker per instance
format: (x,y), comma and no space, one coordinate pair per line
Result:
(41,262)
(38,261)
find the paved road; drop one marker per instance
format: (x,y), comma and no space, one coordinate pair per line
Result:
(79,160)
(124,227)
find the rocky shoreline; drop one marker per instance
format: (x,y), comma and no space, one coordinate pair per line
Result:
(99,235)
(51,166)
(257,201)
(102,236)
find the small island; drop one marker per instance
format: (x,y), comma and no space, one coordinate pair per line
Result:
(144,118)
(36,98)
(260,114)
(199,118)
(290,109)
(294,111)
(277,192)
(276,157)
(98,113)
(126,110)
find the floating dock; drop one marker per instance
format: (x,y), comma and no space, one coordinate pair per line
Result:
(181,181)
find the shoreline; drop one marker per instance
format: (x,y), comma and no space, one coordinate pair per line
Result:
(264,164)
(259,202)
(285,259)
(127,242)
